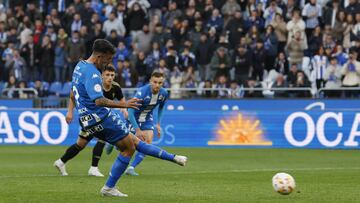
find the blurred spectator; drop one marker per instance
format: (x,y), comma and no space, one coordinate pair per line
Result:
(302,81)
(76,23)
(187,58)
(340,55)
(114,38)
(220,64)
(171,57)
(351,72)
(312,12)
(229,9)
(339,26)
(296,24)
(136,17)
(142,40)
(42,92)
(250,85)
(29,52)
(114,23)
(280,30)
(75,49)
(319,64)
(222,82)
(235,91)
(348,29)
(332,77)
(295,48)
(270,46)
(17,66)
(46,58)
(189,81)
(353,7)
(171,14)
(10,85)
(242,61)
(280,83)
(292,75)
(315,41)
(331,14)
(60,62)
(271,11)
(203,56)
(208,93)
(141,67)
(176,80)
(215,21)
(235,27)
(258,58)
(127,75)
(281,64)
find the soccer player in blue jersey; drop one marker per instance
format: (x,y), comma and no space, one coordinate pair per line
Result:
(142,120)
(97,119)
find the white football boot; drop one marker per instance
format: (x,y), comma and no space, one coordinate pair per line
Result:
(181,160)
(111,192)
(58,164)
(94,171)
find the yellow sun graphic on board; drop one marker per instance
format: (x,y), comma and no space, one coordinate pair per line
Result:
(239,130)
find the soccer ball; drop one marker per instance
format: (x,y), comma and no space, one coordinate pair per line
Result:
(283,183)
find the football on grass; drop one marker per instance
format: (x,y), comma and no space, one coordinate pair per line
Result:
(283,183)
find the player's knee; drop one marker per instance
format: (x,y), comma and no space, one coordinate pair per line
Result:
(129,151)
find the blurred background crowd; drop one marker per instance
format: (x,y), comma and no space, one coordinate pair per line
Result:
(225,45)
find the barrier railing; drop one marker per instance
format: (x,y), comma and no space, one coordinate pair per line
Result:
(198,93)
(11,92)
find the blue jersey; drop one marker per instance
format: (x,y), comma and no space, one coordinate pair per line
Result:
(87,87)
(149,102)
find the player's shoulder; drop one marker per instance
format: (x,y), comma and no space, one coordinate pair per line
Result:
(115,85)
(164,92)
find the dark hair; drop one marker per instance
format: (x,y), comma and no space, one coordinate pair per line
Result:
(109,68)
(103,46)
(157,75)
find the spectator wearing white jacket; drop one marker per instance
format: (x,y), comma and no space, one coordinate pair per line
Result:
(332,77)
(114,23)
(351,72)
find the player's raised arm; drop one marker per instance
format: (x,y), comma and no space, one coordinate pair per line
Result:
(132,103)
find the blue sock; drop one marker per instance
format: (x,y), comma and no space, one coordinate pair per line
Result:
(154,151)
(138,159)
(117,170)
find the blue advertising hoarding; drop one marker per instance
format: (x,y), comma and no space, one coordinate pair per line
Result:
(213,123)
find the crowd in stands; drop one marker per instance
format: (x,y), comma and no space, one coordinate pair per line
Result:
(233,44)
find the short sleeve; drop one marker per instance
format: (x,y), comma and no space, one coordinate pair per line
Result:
(118,93)
(93,85)
(138,94)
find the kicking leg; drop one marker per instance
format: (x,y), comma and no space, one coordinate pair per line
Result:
(139,157)
(70,153)
(154,151)
(97,151)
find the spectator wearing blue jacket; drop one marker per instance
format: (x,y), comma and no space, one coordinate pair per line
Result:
(215,21)
(60,62)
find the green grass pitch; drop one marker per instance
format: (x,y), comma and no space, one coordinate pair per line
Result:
(212,175)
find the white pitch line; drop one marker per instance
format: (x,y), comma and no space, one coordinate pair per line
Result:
(195,172)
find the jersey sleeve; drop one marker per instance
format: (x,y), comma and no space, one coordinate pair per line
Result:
(93,86)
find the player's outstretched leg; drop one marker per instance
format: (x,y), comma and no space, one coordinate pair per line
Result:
(97,151)
(154,151)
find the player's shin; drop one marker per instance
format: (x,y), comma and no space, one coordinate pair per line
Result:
(97,152)
(71,152)
(117,170)
(154,151)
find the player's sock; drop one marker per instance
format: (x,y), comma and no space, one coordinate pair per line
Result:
(97,151)
(138,159)
(154,151)
(117,170)
(71,152)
